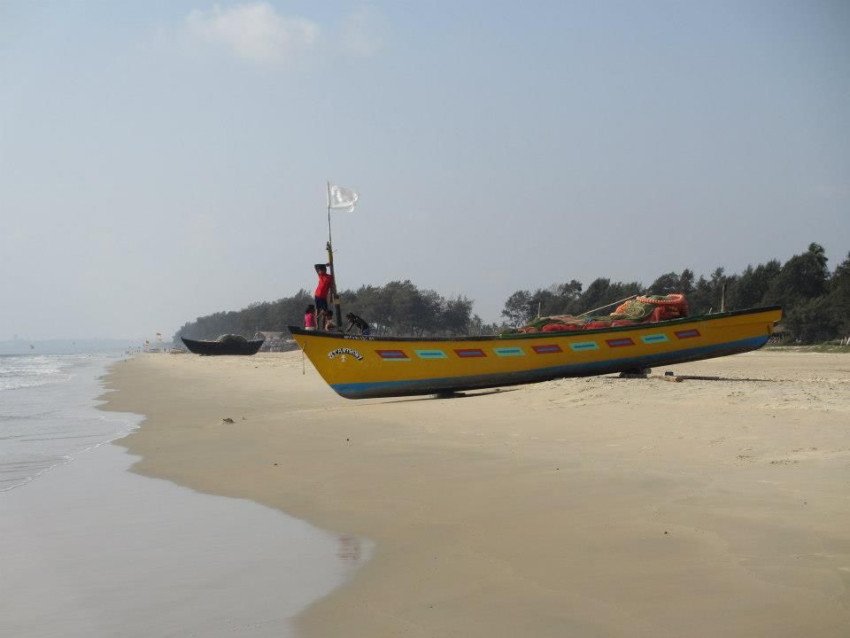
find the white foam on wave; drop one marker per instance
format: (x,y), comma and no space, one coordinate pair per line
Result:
(18,372)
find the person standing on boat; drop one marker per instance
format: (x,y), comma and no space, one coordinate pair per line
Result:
(320,296)
(357,322)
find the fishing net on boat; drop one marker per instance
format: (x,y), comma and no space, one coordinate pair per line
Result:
(232,339)
(633,311)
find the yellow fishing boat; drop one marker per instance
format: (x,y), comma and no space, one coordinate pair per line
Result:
(359,367)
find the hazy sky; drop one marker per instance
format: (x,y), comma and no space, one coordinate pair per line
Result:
(163,160)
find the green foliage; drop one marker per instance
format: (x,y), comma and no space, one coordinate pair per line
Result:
(839,297)
(812,321)
(398,308)
(752,285)
(519,308)
(816,304)
(801,278)
(707,295)
(271,316)
(666,284)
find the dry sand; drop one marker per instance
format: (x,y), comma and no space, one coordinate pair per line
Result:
(579,507)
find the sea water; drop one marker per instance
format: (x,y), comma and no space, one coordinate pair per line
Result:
(88,548)
(46,412)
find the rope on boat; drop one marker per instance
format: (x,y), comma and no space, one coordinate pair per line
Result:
(613,303)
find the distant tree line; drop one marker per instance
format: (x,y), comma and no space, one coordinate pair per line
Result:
(399,307)
(816,302)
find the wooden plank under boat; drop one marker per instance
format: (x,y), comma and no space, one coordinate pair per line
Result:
(223,347)
(358,367)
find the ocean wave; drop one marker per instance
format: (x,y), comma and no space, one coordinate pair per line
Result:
(19,372)
(48,416)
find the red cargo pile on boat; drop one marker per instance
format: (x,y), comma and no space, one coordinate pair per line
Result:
(638,310)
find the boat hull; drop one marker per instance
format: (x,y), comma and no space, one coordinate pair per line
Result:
(367,367)
(222,348)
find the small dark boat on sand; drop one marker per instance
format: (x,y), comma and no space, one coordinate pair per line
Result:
(225,344)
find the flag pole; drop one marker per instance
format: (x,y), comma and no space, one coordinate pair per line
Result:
(334,294)
(329,213)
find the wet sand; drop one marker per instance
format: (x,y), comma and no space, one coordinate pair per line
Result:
(579,507)
(90,549)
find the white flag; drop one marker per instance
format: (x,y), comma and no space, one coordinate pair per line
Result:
(340,198)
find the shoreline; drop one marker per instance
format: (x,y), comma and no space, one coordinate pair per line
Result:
(92,549)
(593,506)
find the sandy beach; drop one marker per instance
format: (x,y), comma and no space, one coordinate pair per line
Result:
(579,507)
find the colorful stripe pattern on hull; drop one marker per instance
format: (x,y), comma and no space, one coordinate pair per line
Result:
(367,367)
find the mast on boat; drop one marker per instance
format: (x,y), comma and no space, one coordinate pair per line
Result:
(342,199)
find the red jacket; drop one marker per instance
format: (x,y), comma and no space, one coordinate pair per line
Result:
(324,287)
